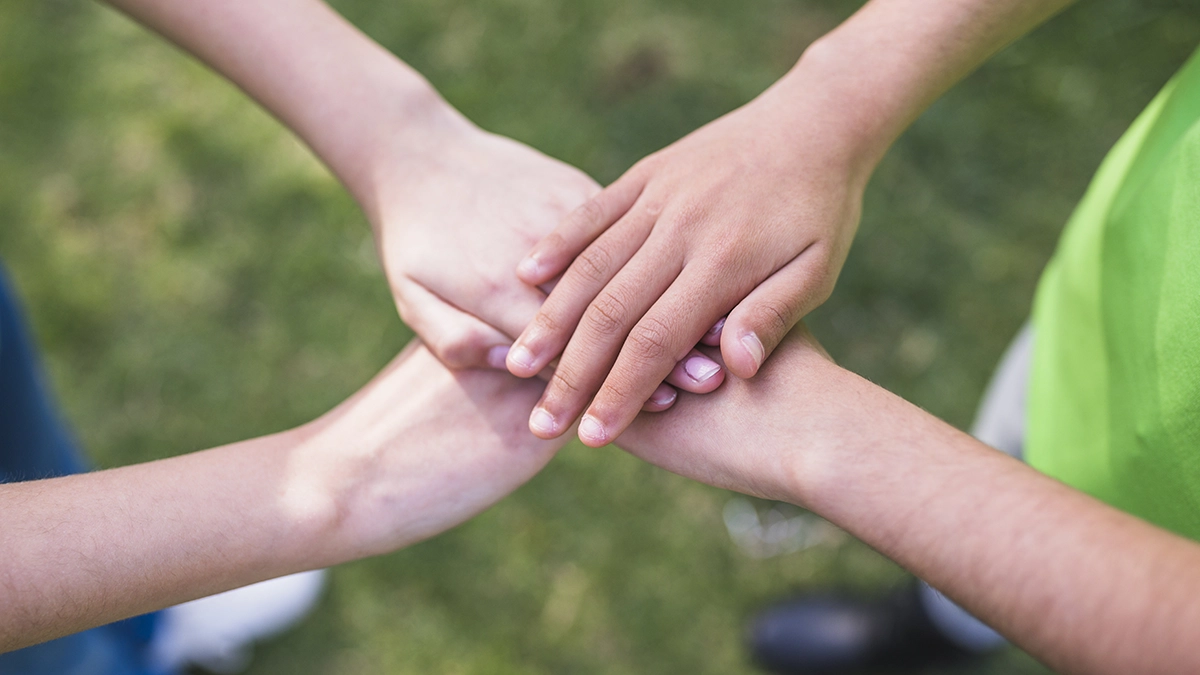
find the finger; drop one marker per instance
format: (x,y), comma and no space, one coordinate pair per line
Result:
(458,339)
(697,374)
(662,398)
(760,321)
(597,341)
(713,337)
(545,337)
(554,253)
(667,332)
(507,307)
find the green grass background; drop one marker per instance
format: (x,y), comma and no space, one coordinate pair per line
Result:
(195,278)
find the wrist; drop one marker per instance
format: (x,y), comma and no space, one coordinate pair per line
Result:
(401,126)
(830,109)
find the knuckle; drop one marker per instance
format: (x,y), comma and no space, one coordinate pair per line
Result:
(588,215)
(608,313)
(553,242)
(545,323)
(594,263)
(616,393)
(775,316)
(459,348)
(564,382)
(729,256)
(688,216)
(650,340)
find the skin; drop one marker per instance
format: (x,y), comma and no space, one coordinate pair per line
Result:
(1074,582)
(416,451)
(420,448)
(749,217)
(452,207)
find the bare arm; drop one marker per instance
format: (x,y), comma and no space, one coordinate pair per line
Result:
(418,450)
(1078,584)
(453,208)
(336,88)
(751,216)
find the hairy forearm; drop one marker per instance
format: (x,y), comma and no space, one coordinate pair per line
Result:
(341,92)
(864,83)
(1084,587)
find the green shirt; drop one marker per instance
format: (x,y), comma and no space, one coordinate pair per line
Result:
(1114,394)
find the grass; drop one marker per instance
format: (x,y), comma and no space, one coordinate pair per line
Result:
(195,277)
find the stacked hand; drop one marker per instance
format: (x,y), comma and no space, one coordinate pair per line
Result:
(463,208)
(750,217)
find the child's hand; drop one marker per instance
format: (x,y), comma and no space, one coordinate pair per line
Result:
(465,208)
(462,207)
(750,217)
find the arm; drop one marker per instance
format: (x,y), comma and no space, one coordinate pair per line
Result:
(751,216)
(1080,585)
(453,208)
(418,450)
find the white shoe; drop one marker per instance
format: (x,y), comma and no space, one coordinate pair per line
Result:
(216,633)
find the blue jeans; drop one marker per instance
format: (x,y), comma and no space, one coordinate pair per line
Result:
(34,443)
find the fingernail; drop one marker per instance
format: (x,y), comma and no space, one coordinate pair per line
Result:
(529,267)
(521,357)
(700,369)
(753,345)
(716,329)
(542,421)
(591,430)
(497,357)
(664,396)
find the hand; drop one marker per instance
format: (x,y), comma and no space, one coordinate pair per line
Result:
(420,449)
(750,217)
(463,207)
(457,209)
(750,435)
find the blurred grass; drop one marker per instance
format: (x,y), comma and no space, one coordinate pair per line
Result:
(196,278)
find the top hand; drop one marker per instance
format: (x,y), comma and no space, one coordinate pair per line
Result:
(751,216)
(463,206)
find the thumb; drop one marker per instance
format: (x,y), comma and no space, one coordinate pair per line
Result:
(458,339)
(761,320)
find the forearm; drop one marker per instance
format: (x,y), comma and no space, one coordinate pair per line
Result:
(1082,586)
(341,92)
(416,451)
(864,83)
(85,550)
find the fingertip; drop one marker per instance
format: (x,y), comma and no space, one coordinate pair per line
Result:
(542,264)
(529,270)
(497,357)
(744,355)
(543,424)
(754,349)
(697,374)
(592,432)
(521,362)
(713,337)
(663,398)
